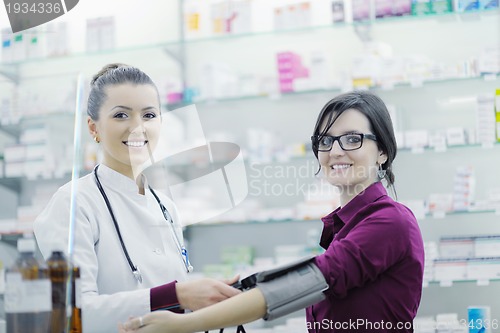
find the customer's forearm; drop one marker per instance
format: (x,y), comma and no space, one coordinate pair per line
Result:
(240,309)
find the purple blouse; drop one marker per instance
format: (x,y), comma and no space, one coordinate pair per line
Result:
(373,263)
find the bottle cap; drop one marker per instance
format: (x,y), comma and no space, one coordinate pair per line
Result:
(26,245)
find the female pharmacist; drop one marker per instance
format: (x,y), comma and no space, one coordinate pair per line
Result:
(128,239)
(373,264)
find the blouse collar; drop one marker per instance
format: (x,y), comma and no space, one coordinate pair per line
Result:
(119,182)
(346,213)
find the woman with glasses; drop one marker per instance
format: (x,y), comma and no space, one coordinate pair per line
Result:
(127,237)
(373,260)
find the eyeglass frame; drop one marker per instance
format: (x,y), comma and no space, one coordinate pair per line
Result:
(315,139)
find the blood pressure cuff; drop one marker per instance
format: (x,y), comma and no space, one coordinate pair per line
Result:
(289,288)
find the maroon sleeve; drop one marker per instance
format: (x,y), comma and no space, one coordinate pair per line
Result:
(369,249)
(164,297)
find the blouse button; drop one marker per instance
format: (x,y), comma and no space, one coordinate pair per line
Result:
(157,251)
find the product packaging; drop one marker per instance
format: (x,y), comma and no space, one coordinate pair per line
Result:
(487,246)
(292,16)
(421,7)
(448,270)
(100,34)
(478,319)
(463,188)
(338,11)
(497,114)
(28,293)
(467,5)
(483,269)
(487,119)
(290,68)
(441,6)
(192,18)
(488,4)
(231,17)
(362,10)
(387,8)
(6,46)
(57,42)
(456,247)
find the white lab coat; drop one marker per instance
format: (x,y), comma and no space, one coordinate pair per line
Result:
(110,293)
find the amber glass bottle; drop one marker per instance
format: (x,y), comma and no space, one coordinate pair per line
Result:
(76,311)
(58,272)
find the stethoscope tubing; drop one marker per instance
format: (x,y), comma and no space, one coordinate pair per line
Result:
(117,227)
(135,270)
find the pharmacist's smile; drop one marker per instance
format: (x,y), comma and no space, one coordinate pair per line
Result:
(136,143)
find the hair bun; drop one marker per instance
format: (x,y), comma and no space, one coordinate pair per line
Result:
(107,68)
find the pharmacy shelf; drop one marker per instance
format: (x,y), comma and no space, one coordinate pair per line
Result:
(254,222)
(85,55)
(336,90)
(13,127)
(293,220)
(441,215)
(337,26)
(308,156)
(7,68)
(441,150)
(451,283)
(12,237)
(14,183)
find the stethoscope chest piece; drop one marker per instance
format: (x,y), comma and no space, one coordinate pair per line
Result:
(137,274)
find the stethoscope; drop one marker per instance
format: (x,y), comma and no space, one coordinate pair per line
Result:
(135,269)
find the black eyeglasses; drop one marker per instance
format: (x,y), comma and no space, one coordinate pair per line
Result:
(347,142)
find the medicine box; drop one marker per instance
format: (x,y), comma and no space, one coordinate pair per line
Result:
(456,247)
(487,246)
(450,269)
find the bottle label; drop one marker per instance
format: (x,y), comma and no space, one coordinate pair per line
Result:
(23,296)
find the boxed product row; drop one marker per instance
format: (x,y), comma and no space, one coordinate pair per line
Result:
(375,67)
(216,17)
(461,199)
(469,247)
(462,258)
(54,40)
(486,131)
(480,269)
(42,151)
(440,140)
(437,205)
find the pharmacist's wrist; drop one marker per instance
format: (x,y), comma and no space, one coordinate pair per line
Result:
(164,297)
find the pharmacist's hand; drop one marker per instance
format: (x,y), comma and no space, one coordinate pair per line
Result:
(155,322)
(197,294)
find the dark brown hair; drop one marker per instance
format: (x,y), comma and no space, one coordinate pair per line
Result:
(380,122)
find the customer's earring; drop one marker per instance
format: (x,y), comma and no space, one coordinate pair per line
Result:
(380,172)
(96,139)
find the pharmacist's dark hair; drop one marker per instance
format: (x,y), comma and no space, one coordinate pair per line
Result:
(380,123)
(113,74)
